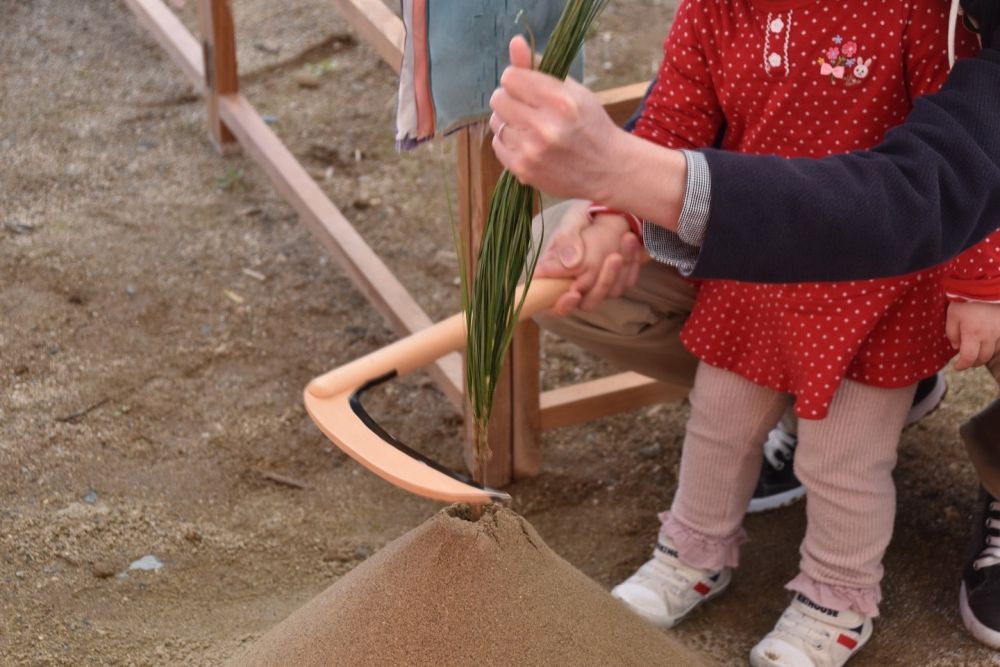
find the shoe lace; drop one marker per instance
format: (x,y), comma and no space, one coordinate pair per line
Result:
(990,555)
(667,577)
(806,629)
(779,442)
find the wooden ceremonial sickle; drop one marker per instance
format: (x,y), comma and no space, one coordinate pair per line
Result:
(333,400)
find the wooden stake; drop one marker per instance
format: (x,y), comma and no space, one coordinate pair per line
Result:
(218,42)
(526,418)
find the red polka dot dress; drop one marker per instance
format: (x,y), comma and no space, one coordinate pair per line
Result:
(812,78)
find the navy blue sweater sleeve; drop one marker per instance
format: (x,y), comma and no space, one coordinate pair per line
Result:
(929,191)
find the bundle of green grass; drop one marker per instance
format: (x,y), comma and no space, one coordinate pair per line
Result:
(506,251)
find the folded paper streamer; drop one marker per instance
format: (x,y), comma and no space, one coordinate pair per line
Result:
(454,53)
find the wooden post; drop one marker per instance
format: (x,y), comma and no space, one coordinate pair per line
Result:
(514,429)
(526,422)
(218,43)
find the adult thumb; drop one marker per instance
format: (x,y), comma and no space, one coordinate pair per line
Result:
(520,52)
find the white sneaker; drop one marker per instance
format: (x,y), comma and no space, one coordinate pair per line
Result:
(665,590)
(809,635)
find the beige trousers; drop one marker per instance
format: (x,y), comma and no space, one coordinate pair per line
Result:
(638,331)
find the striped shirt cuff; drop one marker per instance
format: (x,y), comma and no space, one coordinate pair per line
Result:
(693,222)
(681,249)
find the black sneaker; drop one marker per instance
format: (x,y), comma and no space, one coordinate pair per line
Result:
(979,597)
(778,486)
(930,393)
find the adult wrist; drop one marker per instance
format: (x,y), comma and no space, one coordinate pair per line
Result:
(619,153)
(649,181)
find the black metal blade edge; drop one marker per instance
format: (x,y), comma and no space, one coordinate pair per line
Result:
(359,409)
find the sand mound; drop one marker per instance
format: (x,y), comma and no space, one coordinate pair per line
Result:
(454,592)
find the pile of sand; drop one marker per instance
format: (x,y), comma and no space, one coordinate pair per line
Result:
(456,592)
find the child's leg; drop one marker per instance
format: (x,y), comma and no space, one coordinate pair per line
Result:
(845,462)
(701,533)
(981,435)
(730,416)
(980,590)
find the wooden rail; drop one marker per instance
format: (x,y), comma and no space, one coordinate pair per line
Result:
(605,396)
(521,411)
(358,261)
(378,26)
(175,39)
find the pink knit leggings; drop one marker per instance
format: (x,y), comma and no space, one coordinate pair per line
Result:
(844,461)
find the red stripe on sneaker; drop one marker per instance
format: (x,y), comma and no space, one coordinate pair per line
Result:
(701,589)
(847,641)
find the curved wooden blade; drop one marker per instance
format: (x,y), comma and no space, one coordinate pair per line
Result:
(390,459)
(332,401)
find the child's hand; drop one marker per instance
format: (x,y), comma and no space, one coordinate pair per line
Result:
(974,330)
(601,255)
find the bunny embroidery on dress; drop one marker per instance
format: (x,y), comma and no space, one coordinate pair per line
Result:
(842,64)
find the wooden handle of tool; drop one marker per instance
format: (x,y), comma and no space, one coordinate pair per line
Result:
(423,347)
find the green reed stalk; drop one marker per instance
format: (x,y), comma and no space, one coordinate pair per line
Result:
(507,251)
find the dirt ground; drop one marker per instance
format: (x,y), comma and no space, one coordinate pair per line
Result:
(161,309)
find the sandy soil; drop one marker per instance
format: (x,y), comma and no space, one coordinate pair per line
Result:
(151,380)
(460,592)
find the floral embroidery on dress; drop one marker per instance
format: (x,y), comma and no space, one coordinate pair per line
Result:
(842,64)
